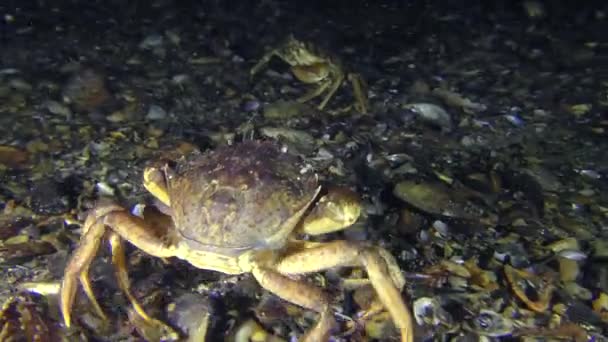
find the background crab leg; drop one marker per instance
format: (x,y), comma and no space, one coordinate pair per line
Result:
(342,253)
(337,76)
(263,61)
(302,294)
(314,92)
(360,92)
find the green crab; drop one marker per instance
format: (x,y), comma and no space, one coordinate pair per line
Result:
(240,209)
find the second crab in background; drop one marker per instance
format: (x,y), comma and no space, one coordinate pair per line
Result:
(309,64)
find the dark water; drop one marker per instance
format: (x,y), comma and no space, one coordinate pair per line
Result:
(483,146)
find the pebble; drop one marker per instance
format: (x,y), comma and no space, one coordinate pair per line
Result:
(151,41)
(86,90)
(250,106)
(431,113)
(57,108)
(156,113)
(284,110)
(300,139)
(191,313)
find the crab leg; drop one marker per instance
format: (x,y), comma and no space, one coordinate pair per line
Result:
(120,264)
(302,294)
(314,92)
(131,228)
(379,270)
(78,268)
(263,61)
(338,77)
(360,92)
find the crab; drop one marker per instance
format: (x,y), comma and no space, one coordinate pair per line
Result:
(311,65)
(242,209)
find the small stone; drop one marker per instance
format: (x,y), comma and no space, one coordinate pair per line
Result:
(569,269)
(577,291)
(600,248)
(151,41)
(20,85)
(49,197)
(191,313)
(298,139)
(580,109)
(13,157)
(283,110)
(57,108)
(117,116)
(251,105)
(156,113)
(86,90)
(432,114)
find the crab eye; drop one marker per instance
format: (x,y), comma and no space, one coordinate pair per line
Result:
(169,169)
(172,164)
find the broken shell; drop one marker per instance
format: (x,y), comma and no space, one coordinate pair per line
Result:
(190,313)
(10,253)
(568,256)
(13,157)
(299,140)
(379,326)
(431,113)
(563,244)
(86,90)
(511,252)
(449,267)
(251,331)
(577,291)
(600,306)
(428,311)
(457,100)
(490,323)
(525,283)
(22,319)
(282,110)
(569,269)
(482,278)
(433,198)
(270,310)
(153,329)
(572,254)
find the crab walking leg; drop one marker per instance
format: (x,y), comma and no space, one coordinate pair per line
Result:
(314,92)
(78,267)
(85,280)
(338,77)
(131,228)
(263,61)
(342,253)
(302,294)
(361,101)
(139,233)
(393,269)
(297,247)
(120,264)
